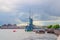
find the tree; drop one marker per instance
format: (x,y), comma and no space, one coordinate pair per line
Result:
(50,26)
(56,26)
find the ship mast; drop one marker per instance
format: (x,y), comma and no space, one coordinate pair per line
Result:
(30,17)
(30,13)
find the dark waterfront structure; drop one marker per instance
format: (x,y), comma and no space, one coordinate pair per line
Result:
(30,26)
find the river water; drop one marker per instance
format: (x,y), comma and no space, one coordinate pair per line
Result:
(20,34)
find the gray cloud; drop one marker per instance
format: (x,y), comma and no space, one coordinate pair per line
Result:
(43,10)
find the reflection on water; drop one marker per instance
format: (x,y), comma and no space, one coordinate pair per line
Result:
(20,34)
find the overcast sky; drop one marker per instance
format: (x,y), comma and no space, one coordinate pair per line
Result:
(18,11)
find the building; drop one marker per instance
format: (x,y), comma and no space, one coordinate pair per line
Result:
(10,26)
